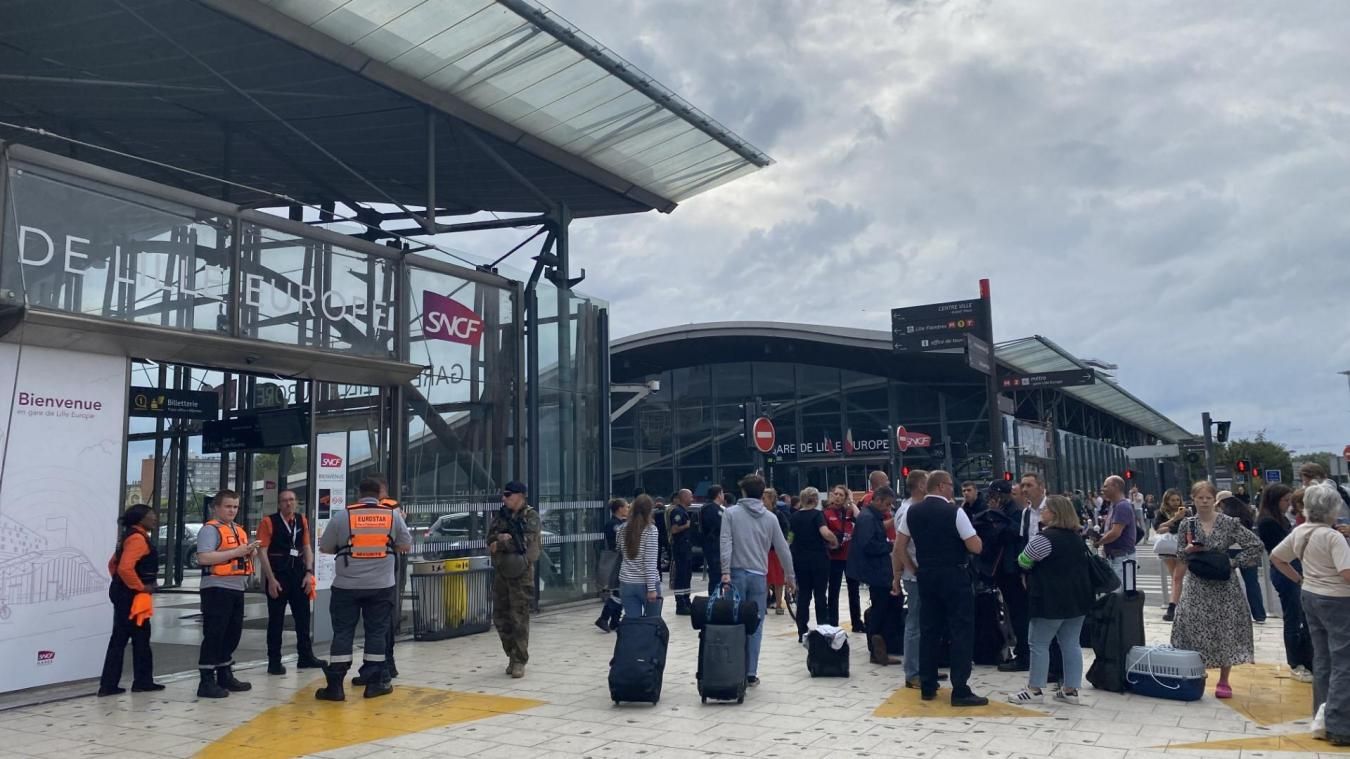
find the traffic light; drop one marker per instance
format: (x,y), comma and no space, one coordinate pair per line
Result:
(1129,474)
(904,472)
(1221,431)
(1242,466)
(749,413)
(1007,476)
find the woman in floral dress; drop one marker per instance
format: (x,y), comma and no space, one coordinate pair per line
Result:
(1213,617)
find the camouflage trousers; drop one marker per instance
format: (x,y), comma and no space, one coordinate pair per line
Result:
(511,601)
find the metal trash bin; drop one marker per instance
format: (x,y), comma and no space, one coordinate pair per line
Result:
(451,597)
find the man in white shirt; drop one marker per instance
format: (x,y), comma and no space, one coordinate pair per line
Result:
(916,486)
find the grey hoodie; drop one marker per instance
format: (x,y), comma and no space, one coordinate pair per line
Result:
(748,532)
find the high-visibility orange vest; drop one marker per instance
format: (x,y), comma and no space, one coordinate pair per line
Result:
(231,536)
(371,528)
(388,503)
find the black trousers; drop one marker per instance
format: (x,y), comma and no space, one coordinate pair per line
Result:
(714,568)
(682,574)
(142,659)
(880,596)
(837,567)
(293,595)
(222,624)
(373,607)
(947,600)
(813,576)
(1019,612)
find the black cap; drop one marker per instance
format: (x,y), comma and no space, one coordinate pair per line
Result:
(514,487)
(1000,487)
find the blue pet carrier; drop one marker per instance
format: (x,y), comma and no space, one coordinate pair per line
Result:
(1165,672)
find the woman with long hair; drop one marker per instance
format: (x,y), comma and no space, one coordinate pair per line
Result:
(1272,526)
(1238,509)
(1170,514)
(840,515)
(639,572)
(811,541)
(1213,617)
(776,578)
(134,567)
(1059,598)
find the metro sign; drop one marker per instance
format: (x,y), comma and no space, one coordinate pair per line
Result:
(904,439)
(330,461)
(447,319)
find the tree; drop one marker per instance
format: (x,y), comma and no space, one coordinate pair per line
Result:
(1316,457)
(1262,453)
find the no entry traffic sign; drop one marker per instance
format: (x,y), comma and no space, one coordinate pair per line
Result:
(765,435)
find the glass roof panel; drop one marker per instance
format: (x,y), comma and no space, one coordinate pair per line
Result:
(529,67)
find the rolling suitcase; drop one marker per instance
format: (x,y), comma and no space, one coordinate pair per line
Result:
(823,659)
(722,663)
(991,627)
(1117,626)
(639,662)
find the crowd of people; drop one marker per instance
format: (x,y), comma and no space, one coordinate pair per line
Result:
(928,556)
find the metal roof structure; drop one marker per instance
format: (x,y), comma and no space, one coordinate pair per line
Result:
(1023,356)
(337,100)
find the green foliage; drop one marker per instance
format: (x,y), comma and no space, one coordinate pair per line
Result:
(1262,453)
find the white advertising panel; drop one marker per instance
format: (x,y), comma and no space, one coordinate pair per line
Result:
(64,416)
(331,491)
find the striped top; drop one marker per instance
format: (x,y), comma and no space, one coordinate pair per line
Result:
(643,569)
(1038,549)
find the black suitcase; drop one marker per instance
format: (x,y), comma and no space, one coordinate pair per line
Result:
(722,663)
(822,659)
(724,612)
(639,662)
(894,634)
(991,626)
(1117,621)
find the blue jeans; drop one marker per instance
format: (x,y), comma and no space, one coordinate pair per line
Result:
(752,587)
(1291,606)
(1251,583)
(633,597)
(1039,633)
(912,629)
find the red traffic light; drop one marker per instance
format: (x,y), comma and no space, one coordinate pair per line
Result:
(1129,474)
(904,472)
(1007,476)
(1242,466)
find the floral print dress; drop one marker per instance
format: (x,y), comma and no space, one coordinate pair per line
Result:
(1213,617)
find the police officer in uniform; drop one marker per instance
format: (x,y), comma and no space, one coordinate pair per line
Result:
(682,550)
(514,543)
(226,558)
(288,574)
(365,540)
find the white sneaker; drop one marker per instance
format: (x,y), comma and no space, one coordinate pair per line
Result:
(1067,698)
(1025,696)
(1319,723)
(1302,674)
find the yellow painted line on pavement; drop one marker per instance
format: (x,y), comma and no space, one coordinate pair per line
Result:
(1300,742)
(308,726)
(907,703)
(1266,694)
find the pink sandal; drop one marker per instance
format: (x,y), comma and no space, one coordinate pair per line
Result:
(1223,690)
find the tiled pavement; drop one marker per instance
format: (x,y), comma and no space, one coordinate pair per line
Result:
(455,700)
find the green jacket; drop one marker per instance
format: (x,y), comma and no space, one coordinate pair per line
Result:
(525,524)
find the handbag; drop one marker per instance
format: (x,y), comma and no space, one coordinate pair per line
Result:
(1210,565)
(1165,544)
(1103,577)
(607,572)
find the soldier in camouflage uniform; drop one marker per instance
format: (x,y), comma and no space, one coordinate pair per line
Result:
(513,541)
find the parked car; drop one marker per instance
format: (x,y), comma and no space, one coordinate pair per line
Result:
(188,551)
(450,536)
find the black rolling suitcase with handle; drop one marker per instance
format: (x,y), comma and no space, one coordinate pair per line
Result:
(823,659)
(1117,622)
(639,663)
(722,647)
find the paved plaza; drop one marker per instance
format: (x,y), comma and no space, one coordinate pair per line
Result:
(454,699)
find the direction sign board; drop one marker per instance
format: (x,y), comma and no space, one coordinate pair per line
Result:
(1272,475)
(172,404)
(933,326)
(1070,378)
(765,435)
(1152,452)
(979,356)
(1192,445)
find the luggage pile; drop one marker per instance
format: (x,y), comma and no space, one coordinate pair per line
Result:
(724,623)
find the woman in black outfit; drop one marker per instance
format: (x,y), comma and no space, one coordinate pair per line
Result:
(1236,508)
(811,539)
(612,610)
(134,567)
(1272,526)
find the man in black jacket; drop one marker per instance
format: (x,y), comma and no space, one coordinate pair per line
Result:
(710,531)
(1007,575)
(943,539)
(869,562)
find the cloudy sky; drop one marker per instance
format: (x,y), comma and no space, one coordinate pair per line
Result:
(1162,185)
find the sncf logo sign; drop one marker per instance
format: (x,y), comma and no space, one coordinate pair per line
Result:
(46,657)
(330,461)
(447,319)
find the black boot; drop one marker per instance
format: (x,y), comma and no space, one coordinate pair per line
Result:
(378,684)
(275,667)
(1171,613)
(209,688)
(333,690)
(225,676)
(310,661)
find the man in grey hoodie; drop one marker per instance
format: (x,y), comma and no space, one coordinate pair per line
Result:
(748,532)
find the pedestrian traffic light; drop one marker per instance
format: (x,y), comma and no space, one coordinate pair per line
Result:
(1007,476)
(1129,474)
(904,472)
(1242,466)
(1221,431)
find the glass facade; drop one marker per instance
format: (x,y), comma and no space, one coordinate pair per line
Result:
(80,240)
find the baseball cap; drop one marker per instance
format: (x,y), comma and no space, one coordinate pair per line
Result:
(514,487)
(1001,487)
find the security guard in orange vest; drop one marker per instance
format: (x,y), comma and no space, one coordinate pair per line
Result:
(397,611)
(226,558)
(365,541)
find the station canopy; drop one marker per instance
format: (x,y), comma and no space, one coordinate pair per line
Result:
(531,111)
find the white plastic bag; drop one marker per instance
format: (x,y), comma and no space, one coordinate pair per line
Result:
(1319,723)
(1165,544)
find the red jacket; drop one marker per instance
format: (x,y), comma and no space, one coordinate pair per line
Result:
(840,523)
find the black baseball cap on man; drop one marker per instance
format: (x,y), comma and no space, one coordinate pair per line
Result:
(514,487)
(1000,487)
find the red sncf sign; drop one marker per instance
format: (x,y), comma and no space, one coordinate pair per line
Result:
(447,319)
(330,461)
